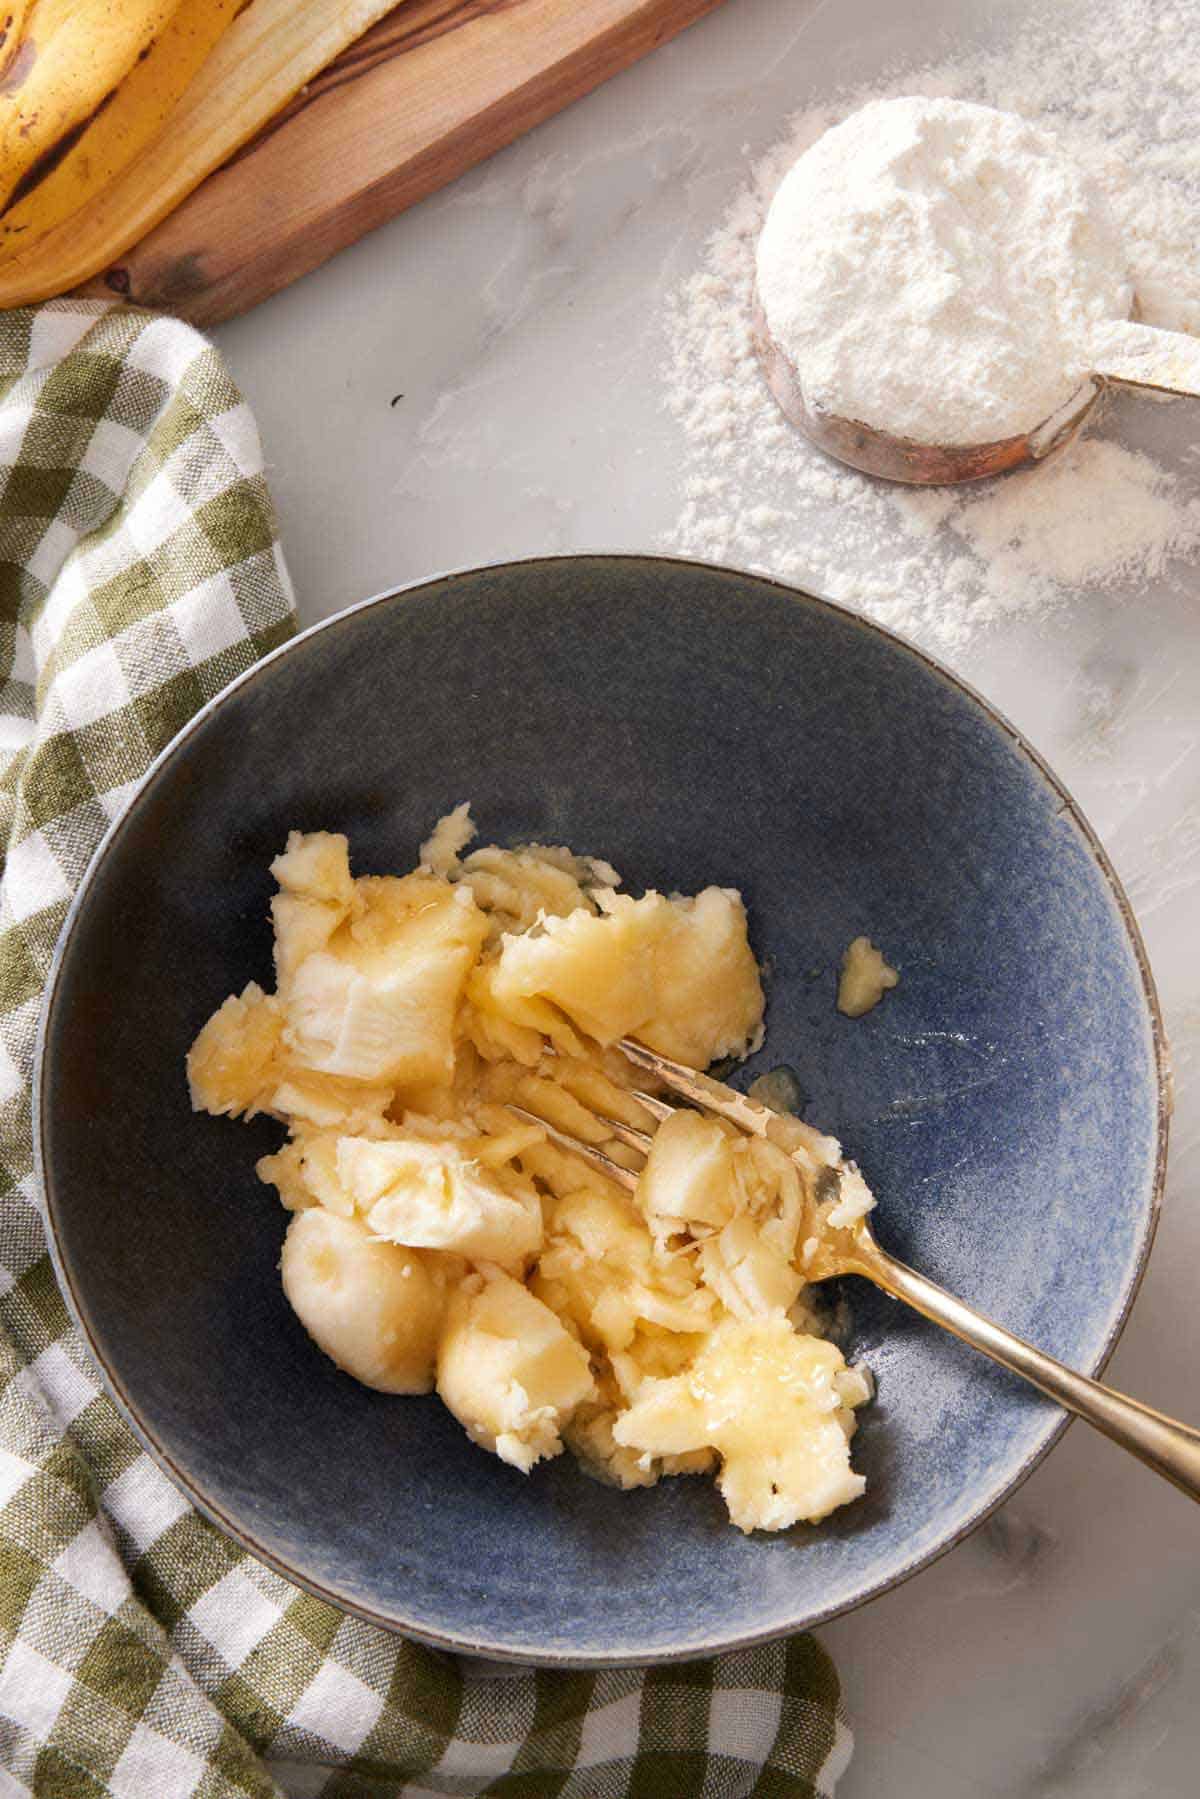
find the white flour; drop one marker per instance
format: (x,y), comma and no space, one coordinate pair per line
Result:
(936,269)
(936,564)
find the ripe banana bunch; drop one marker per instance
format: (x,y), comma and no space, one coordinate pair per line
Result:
(112,111)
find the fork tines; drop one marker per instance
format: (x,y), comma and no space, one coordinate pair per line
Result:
(809,1148)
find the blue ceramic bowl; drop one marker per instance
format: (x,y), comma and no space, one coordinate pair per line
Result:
(692,724)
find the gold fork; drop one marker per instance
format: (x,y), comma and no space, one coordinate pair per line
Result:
(1170,1448)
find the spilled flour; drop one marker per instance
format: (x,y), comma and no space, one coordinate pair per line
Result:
(938,564)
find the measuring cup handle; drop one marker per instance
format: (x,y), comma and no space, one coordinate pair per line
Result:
(1143,356)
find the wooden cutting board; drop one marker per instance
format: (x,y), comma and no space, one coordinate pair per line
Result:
(431,90)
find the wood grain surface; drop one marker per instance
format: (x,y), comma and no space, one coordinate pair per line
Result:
(431,90)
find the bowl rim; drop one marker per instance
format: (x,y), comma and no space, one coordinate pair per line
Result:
(482,1647)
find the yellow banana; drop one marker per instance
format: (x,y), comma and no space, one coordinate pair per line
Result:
(68,61)
(272,48)
(120,130)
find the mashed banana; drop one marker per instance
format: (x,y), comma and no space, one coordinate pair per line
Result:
(864,979)
(440,1240)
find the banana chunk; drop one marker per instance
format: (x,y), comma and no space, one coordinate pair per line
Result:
(679,973)
(374,1308)
(433,1196)
(509,1371)
(233,1066)
(864,979)
(377,1001)
(778,1408)
(688,1177)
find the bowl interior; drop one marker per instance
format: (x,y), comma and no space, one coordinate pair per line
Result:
(692,725)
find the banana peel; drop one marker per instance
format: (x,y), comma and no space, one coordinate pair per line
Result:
(268,53)
(12,30)
(57,187)
(61,69)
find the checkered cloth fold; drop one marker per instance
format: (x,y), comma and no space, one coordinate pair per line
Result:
(144,1654)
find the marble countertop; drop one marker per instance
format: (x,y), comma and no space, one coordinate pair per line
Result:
(478,380)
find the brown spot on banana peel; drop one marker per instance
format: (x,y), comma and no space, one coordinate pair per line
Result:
(49,160)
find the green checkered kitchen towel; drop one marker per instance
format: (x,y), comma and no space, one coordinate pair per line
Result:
(144,1654)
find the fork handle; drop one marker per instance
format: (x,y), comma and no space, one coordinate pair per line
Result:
(1170,1448)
